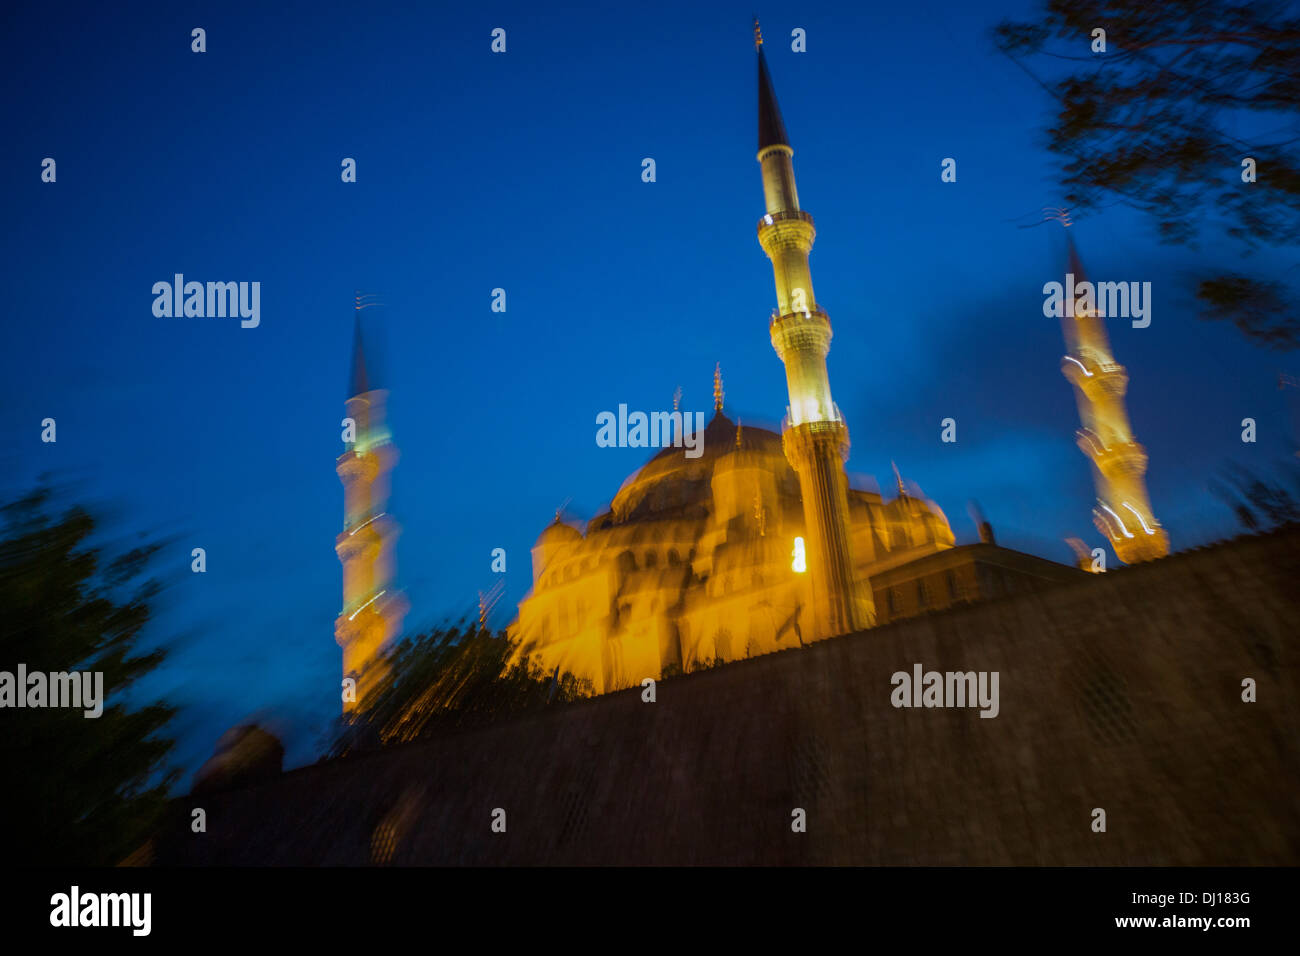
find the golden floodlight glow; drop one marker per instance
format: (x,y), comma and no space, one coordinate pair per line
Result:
(1145,527)
(1071,358)
(366,605)
(1127,533)
(798,565)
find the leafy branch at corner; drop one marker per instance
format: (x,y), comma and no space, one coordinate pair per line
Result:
(1164,119)
(77,791)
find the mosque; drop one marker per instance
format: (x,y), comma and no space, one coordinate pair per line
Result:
(759,542)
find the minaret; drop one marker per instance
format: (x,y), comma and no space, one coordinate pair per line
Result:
(1123,512)
(815,436)
(372,611)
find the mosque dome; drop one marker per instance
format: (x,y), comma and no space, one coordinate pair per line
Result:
(674,485)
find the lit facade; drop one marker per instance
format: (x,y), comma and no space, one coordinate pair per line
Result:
(694,563)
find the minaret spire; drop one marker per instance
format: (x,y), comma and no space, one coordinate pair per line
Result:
(771,128)
(717,387)
(814,433)
(1123,513)
(360,382)
(372,610)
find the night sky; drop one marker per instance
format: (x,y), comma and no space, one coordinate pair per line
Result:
(523,171)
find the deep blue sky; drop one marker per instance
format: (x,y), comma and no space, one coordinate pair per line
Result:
(522,171)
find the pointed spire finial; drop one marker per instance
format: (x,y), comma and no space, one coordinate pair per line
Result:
(771,128)
(717,387)
(360,381)
(362,377)
(902,492)
(677,399)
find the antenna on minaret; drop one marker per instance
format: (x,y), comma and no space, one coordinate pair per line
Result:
(717,387)
(758,35)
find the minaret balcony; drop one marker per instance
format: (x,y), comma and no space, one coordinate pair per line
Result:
(806,331)
(786,230)
(1095,378)
(805,440)
(772,218)
(1126,458)
(812,414)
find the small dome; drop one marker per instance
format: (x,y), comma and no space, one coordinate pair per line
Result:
(557,532)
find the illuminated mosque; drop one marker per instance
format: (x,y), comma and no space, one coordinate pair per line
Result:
(759,543)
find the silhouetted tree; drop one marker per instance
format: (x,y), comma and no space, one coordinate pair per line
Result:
(77,789)
(1152,123)
(1260,504)
(451,676)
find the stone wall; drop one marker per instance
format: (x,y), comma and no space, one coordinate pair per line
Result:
(1122,691)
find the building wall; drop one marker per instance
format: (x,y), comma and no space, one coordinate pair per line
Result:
(1121,691)
(939,580)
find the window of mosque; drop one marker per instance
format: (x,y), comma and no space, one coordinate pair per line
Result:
(673,558)
(891,600)
(922,594)
(952,586)
(650,559)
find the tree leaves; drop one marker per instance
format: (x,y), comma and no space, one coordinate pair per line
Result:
(1163,120)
